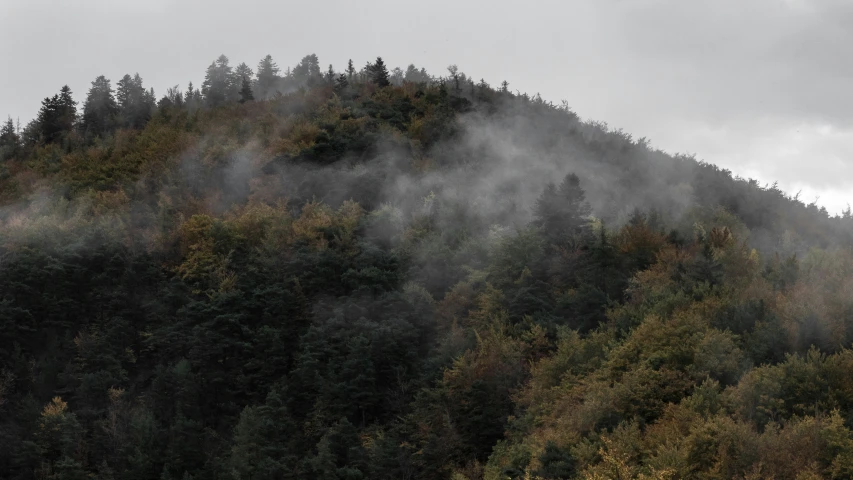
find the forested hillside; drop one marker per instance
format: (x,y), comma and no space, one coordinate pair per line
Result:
(303,273)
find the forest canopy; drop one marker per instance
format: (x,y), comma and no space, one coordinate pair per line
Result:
(374,273)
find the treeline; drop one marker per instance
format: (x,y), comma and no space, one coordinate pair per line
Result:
(382,274)
(131,105)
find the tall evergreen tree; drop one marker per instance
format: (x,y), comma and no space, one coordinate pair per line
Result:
(307,71)
(243,71)
(341,83)
(330,76)
(246,91)
(188,95)
(350,70)
(100,109)
(9,140)
(192,97)
(562,212)
(134,102)
(379,73)
(56,116)
(267,77)
(218,86)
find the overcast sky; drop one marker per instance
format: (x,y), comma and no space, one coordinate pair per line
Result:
(762,87)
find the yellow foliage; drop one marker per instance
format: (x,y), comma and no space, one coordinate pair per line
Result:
(55,408)
(315,218)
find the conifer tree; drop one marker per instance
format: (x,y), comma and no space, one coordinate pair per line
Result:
(350,70)
(134,102)
(218,86)
(341,83)
(379,73)
(9,140)
(562,212)
(246,91)
(189,94)
(100,109)
(307,71)
(243,71)
(56,116)
(330,75)
(267,77)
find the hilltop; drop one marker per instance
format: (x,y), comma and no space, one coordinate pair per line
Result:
(383,273)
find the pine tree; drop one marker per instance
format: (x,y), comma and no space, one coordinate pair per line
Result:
(56,116)
(341,83)
(379,73)
(267,77)
(562,212)
(504,86)
(246,91)
(9,140)
(67,109)
(100,109)
(218,86)
(307,71)
(243,71)
(134,102)
(192,97)
(350,70)
(330,75)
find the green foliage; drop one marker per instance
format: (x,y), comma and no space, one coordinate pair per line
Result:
(283,276)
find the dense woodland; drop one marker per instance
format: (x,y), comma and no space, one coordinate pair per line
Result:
(304,273)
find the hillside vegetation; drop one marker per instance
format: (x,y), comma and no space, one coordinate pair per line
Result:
(386,274)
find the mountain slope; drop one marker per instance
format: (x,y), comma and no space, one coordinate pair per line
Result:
(431,278)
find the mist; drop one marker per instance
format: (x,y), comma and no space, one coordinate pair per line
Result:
(396,273)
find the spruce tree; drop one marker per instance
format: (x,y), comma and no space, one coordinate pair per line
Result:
(350,70)
(341,83)
(100,109)
(267,77)
(9,140)
(562,212)
(188,95)
(218,86)
(307,71)
(56,116)
(379,73)
(67,109)
(246,91)
(330,75)
(134,102)
(243,71)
